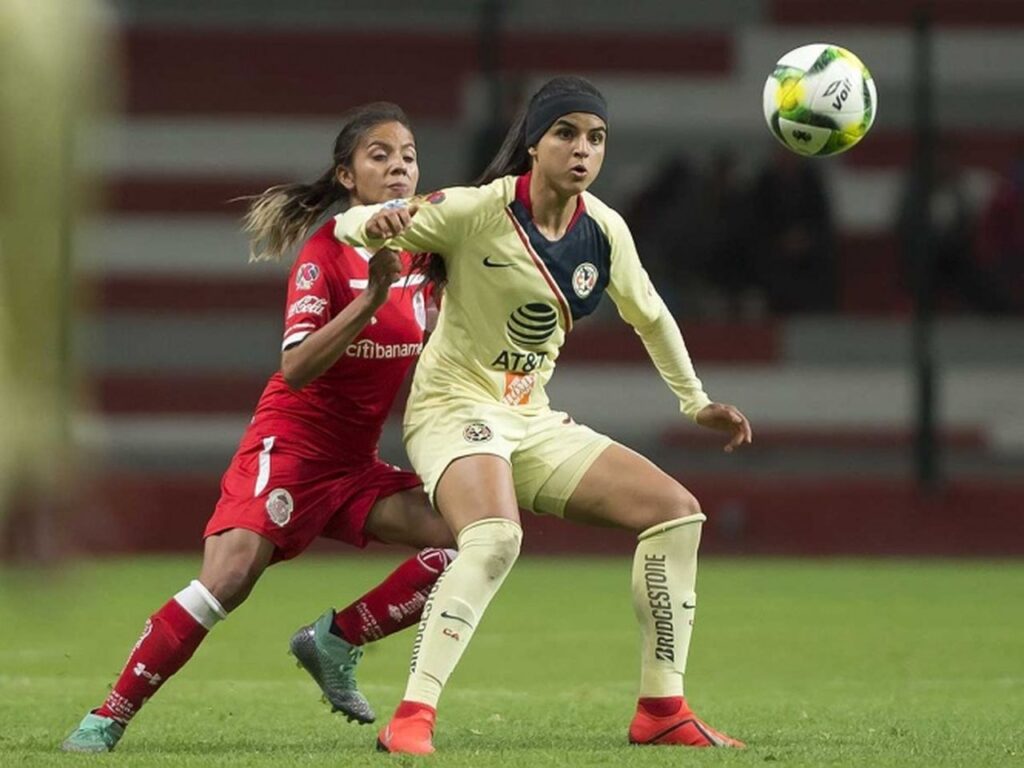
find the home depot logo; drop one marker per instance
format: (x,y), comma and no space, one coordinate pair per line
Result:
(518,387)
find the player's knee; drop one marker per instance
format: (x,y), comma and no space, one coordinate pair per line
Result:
(685,504)
(493,543)
(680,528)
(669,503)
(505,550)
(231,582)
(438,535)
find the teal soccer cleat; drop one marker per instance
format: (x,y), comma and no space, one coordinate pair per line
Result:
(331,661)
(94,734)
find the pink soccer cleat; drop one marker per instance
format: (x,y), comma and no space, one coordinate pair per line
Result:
(670,721)
(411,730)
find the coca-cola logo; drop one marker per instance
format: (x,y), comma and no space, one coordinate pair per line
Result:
(307,305)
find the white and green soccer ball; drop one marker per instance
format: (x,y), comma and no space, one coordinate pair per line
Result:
(820,100)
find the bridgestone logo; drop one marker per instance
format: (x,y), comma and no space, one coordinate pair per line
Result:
(656,581)
(421,628)
(371,350)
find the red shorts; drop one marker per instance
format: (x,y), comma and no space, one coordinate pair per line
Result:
(291,500)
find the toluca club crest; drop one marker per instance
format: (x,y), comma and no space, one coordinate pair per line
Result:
(279,507)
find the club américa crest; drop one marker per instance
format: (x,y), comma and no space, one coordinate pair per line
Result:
(477,432)
(584,278)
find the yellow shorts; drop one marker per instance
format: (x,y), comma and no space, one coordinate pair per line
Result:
(548,451)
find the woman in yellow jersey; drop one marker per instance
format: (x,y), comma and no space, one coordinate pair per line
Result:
(525,256)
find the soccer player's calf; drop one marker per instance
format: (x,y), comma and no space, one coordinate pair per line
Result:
(175,631)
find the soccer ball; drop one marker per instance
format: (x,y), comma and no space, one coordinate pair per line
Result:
(820,100)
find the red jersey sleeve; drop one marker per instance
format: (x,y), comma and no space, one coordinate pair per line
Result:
(314,296)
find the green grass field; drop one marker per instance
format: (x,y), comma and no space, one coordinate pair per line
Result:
(813,663)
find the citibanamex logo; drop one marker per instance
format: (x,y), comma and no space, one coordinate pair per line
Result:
(370,350)
(477,432)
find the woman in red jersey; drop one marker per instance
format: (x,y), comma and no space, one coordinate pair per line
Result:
(307,465)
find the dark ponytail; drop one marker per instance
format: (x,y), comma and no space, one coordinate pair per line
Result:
(278,218)
(512,157)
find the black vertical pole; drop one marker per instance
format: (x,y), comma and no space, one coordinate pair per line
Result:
(489,37)
(926,447)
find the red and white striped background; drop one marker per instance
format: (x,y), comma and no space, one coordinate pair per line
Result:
(212,112)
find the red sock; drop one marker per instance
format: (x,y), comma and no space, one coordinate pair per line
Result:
(662,706)
(168,640)
(410,708)
(396,602)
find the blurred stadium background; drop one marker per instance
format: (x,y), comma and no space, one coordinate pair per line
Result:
(791,280)
(789,277)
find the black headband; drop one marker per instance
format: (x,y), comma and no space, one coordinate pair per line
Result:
(542,113)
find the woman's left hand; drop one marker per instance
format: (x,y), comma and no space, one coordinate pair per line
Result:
(726,418)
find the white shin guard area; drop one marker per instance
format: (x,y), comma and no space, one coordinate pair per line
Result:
(201,604)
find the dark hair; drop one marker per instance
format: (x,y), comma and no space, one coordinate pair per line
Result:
(432,267)
(279,217)
(513,157)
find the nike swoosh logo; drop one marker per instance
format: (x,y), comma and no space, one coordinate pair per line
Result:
(489,263)
(689,607)
(446,615)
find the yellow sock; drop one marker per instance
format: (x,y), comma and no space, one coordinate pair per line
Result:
(664,576)
(487,551)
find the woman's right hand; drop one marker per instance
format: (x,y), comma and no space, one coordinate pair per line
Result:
(385,269)
(388,222)
(727,418)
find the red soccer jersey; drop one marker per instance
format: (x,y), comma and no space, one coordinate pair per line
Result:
(339,415)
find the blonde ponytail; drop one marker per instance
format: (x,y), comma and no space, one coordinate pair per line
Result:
(282,215)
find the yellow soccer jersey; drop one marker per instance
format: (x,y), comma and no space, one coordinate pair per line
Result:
(513,295)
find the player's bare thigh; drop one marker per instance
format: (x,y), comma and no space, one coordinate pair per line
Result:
(232,563)
(476,487)
(623,489)
(406,518)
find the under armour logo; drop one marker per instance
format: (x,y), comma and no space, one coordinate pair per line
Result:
(153,678)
